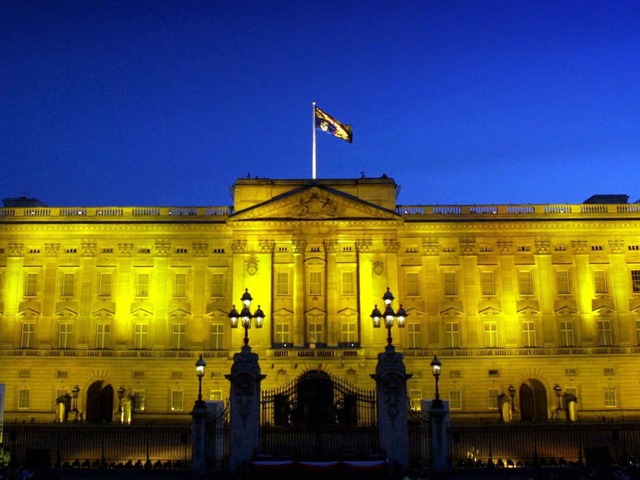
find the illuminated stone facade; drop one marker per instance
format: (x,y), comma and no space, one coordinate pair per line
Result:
(530,296)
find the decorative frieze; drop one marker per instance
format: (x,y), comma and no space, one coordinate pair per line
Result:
(330,246)
(579,246)
(298,246)
(15,249)
(238,246)
(163,247)
(200,249)
(51,249)
(468,246)
(88,248)
(363,246)
(391,245)
(266,246)
(505,248)
(616,246)
(542,247)
(125,249)
(431,247)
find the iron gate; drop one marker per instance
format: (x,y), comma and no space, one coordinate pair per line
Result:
(318,416)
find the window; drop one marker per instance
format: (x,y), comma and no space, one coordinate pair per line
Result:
(566,334)
(490,334)
(140,335)
(414,337)
(600,281)
(316,331)
(455,399)
(635,280)
(31,285)
(137,400)
(27,336)
(604,333)
(348,334)
(103,335)
(215,395)
(492,398)
(282,283)
(348,284)
(177,400)
(415,399)
(217,285)
(413,284)
(487,284)
(68,282)
(142,287)
(282,331)
(178,336)
(315,283)
(452,334)
(525,283)
(610,399)
(23,399)
(104,286)
(65,331)
(450,283)
(562,283)
(180,285)
(217,336)
(528,334)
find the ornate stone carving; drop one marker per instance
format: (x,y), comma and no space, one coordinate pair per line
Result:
(363,246)
(616,246)
(579,246)
(543,247)
(125,249)
(252,265)
(468,245)
(316,204)
(238,246)
(200,249)
(330,246)
(163,247)
(298,246)
(267,246)
(15,249)
(378,267)
(505,247)
(430,246)
(391,245)
(88,248)
(51,249)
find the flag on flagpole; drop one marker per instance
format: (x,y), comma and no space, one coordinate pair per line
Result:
(327,123)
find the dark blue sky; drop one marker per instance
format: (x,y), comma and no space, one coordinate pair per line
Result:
(462,102)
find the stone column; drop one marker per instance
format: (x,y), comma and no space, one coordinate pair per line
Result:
(245,381)
(439,417)
(393,407)
(198,437)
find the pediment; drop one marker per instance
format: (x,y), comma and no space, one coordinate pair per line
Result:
(603,310)
(565,310)
(179,313)
(29,313)
(103,313)
(66,313)
(488,311)
(451,311)
(282,311)
(528,310)
(348,311)
(415,312)
(141,312)
(314,312)
(315,202)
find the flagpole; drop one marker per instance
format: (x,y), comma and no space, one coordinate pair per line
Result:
(313,148)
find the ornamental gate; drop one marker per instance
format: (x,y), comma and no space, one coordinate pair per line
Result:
(319,417)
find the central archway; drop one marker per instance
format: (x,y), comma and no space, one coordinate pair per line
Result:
(315,398)
(533,401)
(99,403)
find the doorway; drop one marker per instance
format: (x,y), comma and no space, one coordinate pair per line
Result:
(99,403)
(533,401)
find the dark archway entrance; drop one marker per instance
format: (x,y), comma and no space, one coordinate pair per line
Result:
(99,403)
(533,401)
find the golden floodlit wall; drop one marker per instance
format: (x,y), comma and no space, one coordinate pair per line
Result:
(534,306)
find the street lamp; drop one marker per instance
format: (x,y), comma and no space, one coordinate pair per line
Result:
(436,366)
(389,315)
(245,316)
(558,391)
(200,366)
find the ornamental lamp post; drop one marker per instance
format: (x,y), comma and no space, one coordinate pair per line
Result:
(389,315)
(245,316)
(436,366)
(200,366)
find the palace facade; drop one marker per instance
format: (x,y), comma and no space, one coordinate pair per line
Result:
(106,309)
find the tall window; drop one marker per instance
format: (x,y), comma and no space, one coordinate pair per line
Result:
(142,287)
(566,334)
(217,285)
(415,399)
(414,336)
(316,330)
(610,399)
(490,334)
(605,338)
(31,285)
(23,399)
(525,283)
(487,284)
(635,280)
(140,335)
(68,282)
(282,332)
(452,334)
(282,283)
(600,281)
(450,283)
(65,332)
(413,284)
(178,336)
(348,283)
(528,334)
(104,287)
(455,399)
(492,398)
(180,285)
(315,283)
(348,333)
(177,400)
(217,336)
(138,400)
(103,335)
(562,282)
(27,336)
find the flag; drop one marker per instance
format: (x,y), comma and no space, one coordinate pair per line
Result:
(328,124)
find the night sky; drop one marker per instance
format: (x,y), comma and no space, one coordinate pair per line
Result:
(461,102)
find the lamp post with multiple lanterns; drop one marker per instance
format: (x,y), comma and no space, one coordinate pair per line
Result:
(245,316)
(436,366)
(389,316)
(200,367)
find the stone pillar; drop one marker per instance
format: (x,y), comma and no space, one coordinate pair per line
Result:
(198,437)
(245,381)
(439,416)
(393,407)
